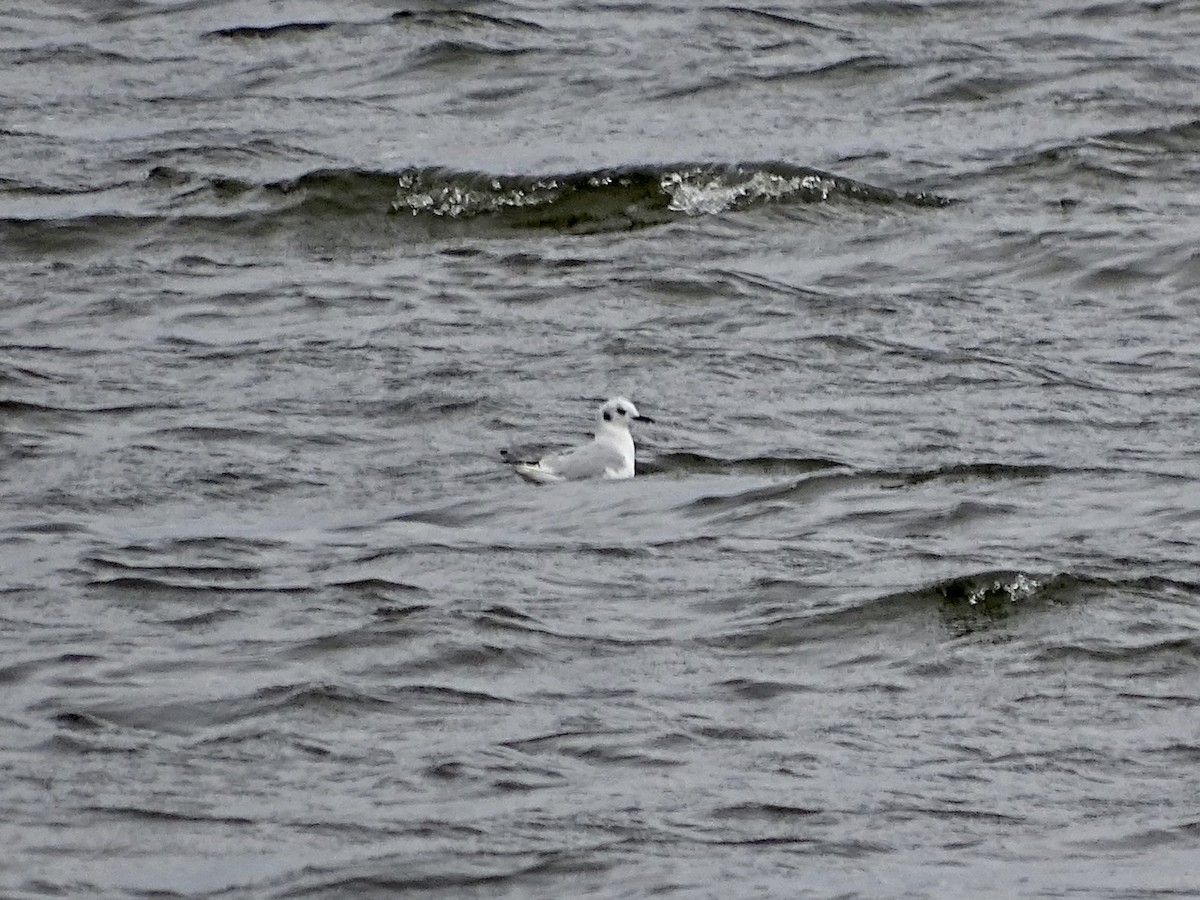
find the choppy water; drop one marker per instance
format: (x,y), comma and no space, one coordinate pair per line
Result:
(904,601)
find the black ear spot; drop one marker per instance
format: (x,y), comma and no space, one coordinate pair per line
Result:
(607,416)
(620,410)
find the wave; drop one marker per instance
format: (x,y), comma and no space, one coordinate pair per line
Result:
(1118,156)
(359,204)
(263,32)
(448,19)
(22,407)
(1181,137)
(164,588)
(857,67)
(1027,606)
(962,605)
(804,476)
(970,602)
(681,464)
(639,196)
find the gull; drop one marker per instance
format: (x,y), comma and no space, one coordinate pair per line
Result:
(609,455)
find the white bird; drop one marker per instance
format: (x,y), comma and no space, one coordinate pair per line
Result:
(609,455)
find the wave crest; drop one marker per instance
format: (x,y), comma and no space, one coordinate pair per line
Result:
(630,197)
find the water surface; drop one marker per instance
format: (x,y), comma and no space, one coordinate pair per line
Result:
(902,602)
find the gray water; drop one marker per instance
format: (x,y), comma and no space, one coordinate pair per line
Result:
(903,601)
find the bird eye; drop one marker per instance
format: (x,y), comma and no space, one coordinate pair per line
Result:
(620,410)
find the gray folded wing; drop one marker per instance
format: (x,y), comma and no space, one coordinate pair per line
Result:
(589,461)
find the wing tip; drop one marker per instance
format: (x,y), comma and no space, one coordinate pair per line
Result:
(535,473)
